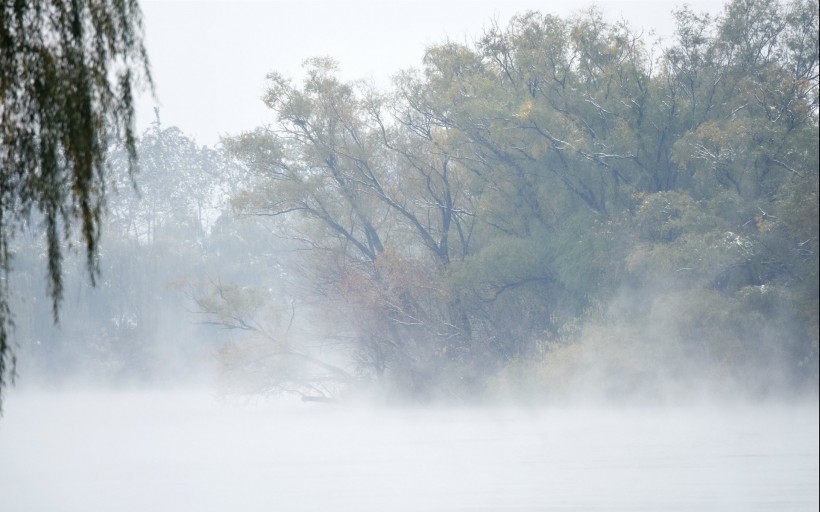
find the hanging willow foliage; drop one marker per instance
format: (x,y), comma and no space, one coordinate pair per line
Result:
(68,71)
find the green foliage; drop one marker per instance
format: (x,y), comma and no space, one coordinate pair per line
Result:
(68,71)
(489,214)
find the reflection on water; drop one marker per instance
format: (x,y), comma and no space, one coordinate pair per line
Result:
(155,451)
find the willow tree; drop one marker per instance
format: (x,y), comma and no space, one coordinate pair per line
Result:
(68,71)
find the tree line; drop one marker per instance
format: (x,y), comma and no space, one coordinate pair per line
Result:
(564,193)
(563,207)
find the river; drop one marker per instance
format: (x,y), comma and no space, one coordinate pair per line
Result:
(186,451)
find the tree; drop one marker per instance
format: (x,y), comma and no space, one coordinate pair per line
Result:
(68,71)
(496,200)
(161,240)
(181,184)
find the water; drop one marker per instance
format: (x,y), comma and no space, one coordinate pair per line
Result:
(174,451)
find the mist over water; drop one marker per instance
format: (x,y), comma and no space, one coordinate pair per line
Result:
(504,282)
(190,450)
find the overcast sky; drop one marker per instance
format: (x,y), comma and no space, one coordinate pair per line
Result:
(209,58)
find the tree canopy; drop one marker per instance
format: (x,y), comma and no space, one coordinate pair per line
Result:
(498,204)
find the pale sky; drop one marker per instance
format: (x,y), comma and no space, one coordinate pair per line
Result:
(209,59)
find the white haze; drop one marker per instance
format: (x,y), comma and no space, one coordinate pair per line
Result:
(172,451)
(165,449)
(210,58)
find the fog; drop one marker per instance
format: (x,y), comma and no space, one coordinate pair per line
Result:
(211,88)
(495,282)
(185,450)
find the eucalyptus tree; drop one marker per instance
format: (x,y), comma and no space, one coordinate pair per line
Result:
(68,71)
